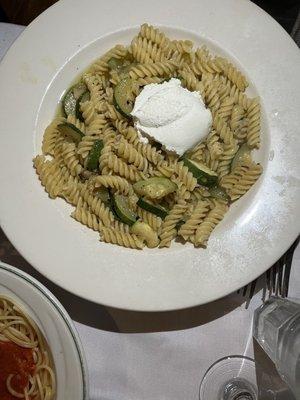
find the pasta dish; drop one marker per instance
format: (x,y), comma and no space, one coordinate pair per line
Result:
(26,366)
(130,187)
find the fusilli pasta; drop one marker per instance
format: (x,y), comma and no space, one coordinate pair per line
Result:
(93,154)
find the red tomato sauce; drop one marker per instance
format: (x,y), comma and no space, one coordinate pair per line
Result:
(17,361)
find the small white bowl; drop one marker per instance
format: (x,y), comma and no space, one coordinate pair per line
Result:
(57,327)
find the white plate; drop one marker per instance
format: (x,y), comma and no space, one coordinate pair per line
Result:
(257,230)
(57,327)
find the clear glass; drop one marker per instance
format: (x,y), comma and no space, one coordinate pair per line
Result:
(277,330)
(230,378)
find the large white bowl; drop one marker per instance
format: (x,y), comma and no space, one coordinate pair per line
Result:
(258,228)
(57,327)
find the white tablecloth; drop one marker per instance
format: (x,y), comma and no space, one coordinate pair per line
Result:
(138,356)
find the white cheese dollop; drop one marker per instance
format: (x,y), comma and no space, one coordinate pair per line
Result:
(172,115)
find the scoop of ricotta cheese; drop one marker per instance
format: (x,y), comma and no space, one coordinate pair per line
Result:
(171,115)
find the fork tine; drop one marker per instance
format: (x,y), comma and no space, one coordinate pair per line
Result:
(273,278)
(286,279)
(288,264)
(280,275)
(252,288)
(245,290)
(268,280)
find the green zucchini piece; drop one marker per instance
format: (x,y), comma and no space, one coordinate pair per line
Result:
(70,131)
(114,63)
(103,194)
(79,89)
(201,172)
(145,231)
(155,209)
(92,161)
(123,95)
(123,210)
(84,97)
(243,154)
(218,193)
(155,188)
(69,101)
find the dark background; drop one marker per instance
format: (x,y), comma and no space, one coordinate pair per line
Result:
(22,12)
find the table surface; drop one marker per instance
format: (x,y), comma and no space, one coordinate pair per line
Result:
(146,356)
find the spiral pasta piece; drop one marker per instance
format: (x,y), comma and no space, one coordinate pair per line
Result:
(86,144)
(76,122)
(165,68)
(95,85)
(111,235)
(211,97)
(96,206)
(213,218)
(239,97)
(223,130)
(235,76)
(121,185)
(154,35)
(240,180)
(163,168)
(50,174)
(191,82)
(197,152)
(237,115)
(214,146)
(88,111)
(128,152)
(152,220)
(148,152)
(70,158)
(189,228)
(83,215)
(210,162)
(225,109)
(144,51)
(148,79)
(71,190)
(253,115)
(168,228)
(120,167)
(52,137)
(204,64)
(185,176)
(226,158)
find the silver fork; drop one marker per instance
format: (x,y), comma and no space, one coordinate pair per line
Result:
(275,280)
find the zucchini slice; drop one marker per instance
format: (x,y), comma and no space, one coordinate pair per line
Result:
(123,96)
(114,63)
(123,210)
(201,172)
(84,97)
(155,209)
(70,131)
(103,194)
(218,193)
(155,188)
(145,231)
(69,100)
(243,154)
(92,161)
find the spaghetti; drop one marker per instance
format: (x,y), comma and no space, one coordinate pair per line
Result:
(26,366)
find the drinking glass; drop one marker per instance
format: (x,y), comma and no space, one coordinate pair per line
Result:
(277,330)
